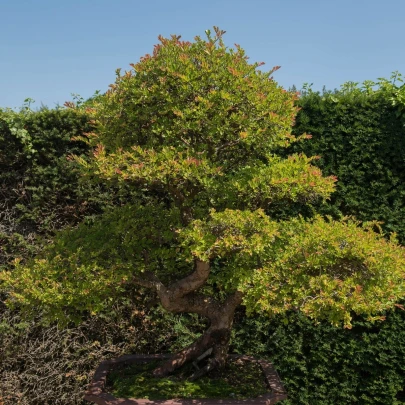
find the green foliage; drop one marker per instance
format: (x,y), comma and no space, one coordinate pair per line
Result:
(278,181)
(41,189)
(324,268)
(359,134)
(35,176)
(194,129)
(323,365)
(199,96)
(328,269)
(89,267)
(239,380)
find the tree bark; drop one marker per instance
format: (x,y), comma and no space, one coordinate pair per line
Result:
(216,337)
(181,296)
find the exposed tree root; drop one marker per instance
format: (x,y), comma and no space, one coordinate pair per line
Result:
(215,340)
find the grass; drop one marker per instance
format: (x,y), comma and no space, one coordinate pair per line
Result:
(238,380)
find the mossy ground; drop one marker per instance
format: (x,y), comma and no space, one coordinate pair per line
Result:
(238,380)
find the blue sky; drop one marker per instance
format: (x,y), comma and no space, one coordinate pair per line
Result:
(52,48)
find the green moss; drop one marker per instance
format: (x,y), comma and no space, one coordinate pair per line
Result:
(238,380)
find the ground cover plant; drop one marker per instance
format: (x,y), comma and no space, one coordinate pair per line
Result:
(193,129)
(137,381)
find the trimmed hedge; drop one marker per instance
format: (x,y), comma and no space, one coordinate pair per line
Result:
(359,134)
(41,190)
(323,365)
(38,186)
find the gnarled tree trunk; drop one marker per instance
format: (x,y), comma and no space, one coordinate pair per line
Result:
(182,296)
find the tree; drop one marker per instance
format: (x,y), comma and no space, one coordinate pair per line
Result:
(193,129)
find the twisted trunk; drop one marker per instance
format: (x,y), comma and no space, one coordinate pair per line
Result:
(181,296)
(216,337)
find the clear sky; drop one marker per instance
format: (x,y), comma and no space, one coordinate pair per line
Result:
(52,48)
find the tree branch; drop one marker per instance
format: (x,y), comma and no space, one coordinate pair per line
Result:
(192,282)
(149,280)
(180,199)
(233,301)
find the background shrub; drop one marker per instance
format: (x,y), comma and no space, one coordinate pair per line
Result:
(39,187)
(41,190)
(321,365)
(359,134)
(51,366)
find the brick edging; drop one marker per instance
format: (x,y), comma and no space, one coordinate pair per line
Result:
(96,390)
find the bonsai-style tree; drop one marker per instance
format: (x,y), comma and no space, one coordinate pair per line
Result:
(193,130)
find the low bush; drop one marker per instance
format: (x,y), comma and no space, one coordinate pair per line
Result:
(47,365)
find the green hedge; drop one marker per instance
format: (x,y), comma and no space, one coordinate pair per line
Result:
(41,190)
(323,365)
(359,135)
(38,185)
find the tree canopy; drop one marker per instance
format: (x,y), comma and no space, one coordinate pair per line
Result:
(194,130)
